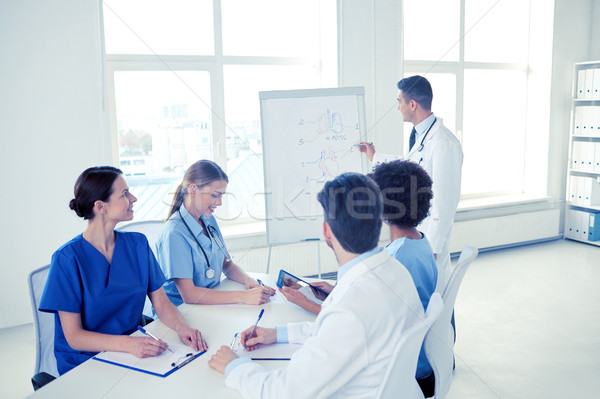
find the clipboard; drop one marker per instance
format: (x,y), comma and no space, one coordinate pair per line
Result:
(162,365)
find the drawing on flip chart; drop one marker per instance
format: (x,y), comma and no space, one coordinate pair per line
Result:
(309,138)
(330,142)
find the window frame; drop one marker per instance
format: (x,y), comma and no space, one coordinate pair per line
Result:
(214,65)
(458,68)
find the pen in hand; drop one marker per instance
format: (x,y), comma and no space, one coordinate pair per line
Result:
(254,328)
(146,333)
(260,282)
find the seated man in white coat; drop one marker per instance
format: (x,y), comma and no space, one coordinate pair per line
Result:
(347,349)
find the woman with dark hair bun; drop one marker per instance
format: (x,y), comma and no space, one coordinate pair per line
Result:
(98,281)
(190,246)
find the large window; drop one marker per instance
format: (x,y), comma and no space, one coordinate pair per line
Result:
(183,82)
(489,65)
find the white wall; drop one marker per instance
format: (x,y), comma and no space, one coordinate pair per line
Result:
(52,127)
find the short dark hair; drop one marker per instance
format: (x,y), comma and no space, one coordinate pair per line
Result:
(94,184)
(352,205)
(417,88)
(406,190)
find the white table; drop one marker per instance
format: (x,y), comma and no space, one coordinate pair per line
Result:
(218,324)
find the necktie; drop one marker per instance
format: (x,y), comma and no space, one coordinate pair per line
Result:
(413,137)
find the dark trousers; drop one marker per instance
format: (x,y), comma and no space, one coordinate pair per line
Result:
(427,385)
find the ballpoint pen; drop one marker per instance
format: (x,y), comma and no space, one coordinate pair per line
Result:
(254,328)
(260,282)
(143,330)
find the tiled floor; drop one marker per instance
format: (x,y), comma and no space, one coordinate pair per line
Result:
(528,326)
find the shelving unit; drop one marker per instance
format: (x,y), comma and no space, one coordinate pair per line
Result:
(582,216)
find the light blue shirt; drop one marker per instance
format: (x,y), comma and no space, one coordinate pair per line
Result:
(423,126)
(180,256)
(282,331)
(417,257)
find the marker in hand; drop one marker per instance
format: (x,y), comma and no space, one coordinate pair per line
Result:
(254,328)
(362,145)
(146,333)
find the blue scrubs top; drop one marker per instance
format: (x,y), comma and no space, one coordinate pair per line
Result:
(180,257)
(109,297)
(417,257)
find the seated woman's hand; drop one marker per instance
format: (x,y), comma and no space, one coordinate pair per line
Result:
(251,283)
(192,338)
(257,295)
(146,346)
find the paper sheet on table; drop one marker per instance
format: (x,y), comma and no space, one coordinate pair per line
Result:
(161,365)
(270,352)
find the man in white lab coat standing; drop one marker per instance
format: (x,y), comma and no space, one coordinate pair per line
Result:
(348,348)
(438,151)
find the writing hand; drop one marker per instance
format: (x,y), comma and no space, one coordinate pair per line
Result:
(261,336)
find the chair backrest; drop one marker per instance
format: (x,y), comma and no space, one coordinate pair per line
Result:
(399,380)
(150,228)
(43,324)
(439,341)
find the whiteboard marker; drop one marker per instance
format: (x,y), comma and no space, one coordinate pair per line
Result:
(362,145)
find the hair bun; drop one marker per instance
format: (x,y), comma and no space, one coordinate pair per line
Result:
(73,205)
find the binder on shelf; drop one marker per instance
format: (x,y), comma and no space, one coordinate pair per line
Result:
(580,190)
(583,224)
(589,82)
(596,84)
(570,224)
(595,121)
(581,84)
(592,120)
(584,121)
(594,226)
(586,156)
(591,192)
(577,126)
(573,182)
(576,155)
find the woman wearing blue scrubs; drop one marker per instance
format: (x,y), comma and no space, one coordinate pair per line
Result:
(190,247)
(98,281)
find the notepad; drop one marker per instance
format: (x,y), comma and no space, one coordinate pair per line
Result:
(161,365)
(270,352)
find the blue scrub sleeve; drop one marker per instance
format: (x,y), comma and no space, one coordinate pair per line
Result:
(63,291)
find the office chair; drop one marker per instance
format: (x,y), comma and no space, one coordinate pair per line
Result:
(439,341)
(399,380)
(151,229)
(43,325)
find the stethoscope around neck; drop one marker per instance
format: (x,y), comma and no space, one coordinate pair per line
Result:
(212,234)
(421,146)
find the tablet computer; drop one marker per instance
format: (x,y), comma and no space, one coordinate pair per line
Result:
(289,280)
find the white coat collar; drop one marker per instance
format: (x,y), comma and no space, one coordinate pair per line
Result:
(434,129)
(364,266)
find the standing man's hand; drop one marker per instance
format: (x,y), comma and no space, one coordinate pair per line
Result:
(367,148)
